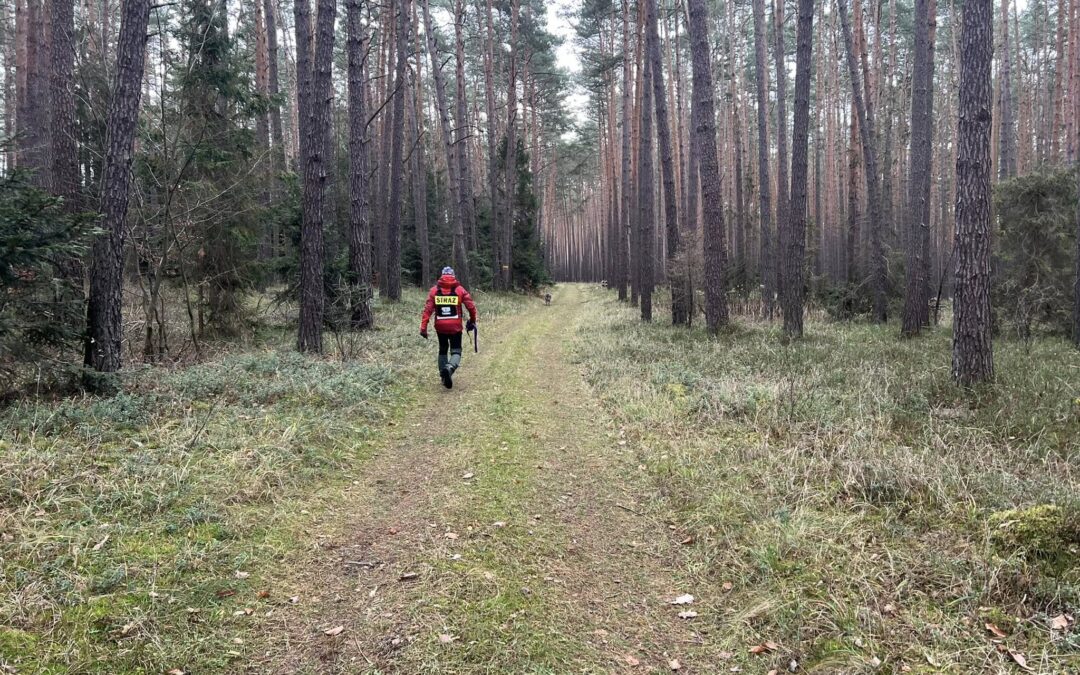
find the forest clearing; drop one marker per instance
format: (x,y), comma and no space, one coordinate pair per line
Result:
(540,336)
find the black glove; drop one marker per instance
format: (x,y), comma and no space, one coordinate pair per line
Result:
(423,333)
(470,326)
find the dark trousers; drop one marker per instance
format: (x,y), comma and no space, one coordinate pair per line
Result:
(449,342)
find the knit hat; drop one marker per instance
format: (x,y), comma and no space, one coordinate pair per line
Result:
(448,271)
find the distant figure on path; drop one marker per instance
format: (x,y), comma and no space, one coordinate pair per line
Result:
(444,302)
(547,298)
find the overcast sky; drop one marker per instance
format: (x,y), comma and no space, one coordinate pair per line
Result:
(567,54)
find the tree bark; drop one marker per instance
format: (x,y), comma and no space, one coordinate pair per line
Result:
(767,264)
(460,255)
(873,192)
(972,351)
(703,116)
(646,230)
(1007,133)
(277,137)
(783,234)
(622,249)
(359,207)
(65,168)
(314,68)
(391,286)
(104,329)
(917,272)
(796,257)
(466,200)
(504,272)
(677,267)
(418,168)
(495,215)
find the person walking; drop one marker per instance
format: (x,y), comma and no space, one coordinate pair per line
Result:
(444,303)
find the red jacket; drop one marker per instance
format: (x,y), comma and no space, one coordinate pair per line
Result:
(444,302)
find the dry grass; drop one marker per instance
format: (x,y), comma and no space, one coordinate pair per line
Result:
(136,530)
(844,487)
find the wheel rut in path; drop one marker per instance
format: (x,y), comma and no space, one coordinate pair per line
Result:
(497,529)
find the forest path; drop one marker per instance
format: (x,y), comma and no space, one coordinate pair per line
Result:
(496,531)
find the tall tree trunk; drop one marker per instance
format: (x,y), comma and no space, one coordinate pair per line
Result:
(22,98)
(391,286)
(917,297)
(277,136)
(460,254)
(65,168)
(262,77)
(782,185)
(495,215)
(359,207)
(504,272)
(703,116)
(795,259)
(1076,278)
(622,250)
(972,359)
(314,68)
(873,186)
(646,230)
(767,264)
(1007,133)
(677,277)
(104,329)
(467,204)
(418,167)
(7,25)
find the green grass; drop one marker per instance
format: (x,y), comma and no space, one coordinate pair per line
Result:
(136,530)
(846,489)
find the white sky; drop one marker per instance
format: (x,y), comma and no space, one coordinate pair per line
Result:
(567,54)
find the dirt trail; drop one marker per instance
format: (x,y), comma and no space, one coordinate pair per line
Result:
(497,530)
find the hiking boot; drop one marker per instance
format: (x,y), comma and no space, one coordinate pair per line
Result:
(447,377)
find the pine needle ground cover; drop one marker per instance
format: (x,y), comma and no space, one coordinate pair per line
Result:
(139,531)
(838,503)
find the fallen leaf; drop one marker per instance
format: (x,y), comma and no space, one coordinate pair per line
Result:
(408,576)
(225,593)
(683,600)
(176,671)
(1060,622)
(889,609)
(764,648)
(97,546)
(336,630)
(1020,659)
(689,540)
(451,535)
(468,476)
(726,656)
(262,595)
(393,530)
(446,638)
(996,631)
(499,523)
(632,661)
(674,664)
(294,600)
(728,586)
(242,575)
(689,614)
(774,671)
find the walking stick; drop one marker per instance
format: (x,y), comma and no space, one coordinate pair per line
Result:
(476,339)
